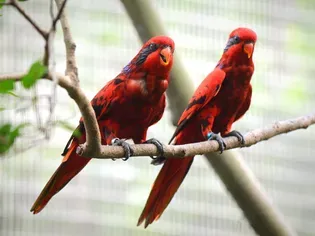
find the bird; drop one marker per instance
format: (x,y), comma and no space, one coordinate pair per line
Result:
(222,98)
(125,108)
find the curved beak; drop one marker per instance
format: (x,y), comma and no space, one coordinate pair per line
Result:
(166,56)
(248,49)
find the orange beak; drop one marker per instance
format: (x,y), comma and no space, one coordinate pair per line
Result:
(166,56)
(248,49)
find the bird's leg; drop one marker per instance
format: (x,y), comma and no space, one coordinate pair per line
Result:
(218,138)
(236,134)
(125,145)
(159,146)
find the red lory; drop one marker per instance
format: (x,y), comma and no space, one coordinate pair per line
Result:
(221,99)
(125,108)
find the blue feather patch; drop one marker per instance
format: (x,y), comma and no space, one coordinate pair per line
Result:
(127,68)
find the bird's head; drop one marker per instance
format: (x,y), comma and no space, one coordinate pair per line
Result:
(241,43)
(156,55)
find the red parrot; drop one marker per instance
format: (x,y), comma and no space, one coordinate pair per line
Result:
(221,99)
(125,107)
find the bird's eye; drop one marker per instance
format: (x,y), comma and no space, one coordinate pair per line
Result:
(153,46)
(236,39)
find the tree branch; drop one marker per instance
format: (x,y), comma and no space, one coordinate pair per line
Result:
(71,69)
(172,151)
(63,81)
(55,20)
(93,137)
(181,151)
(70,82)
(42,32)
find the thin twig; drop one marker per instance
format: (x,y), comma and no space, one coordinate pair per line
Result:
(36,109)
(63,81)
(42,32)
(52,71)
(51,10)
(58,15)
(71,81)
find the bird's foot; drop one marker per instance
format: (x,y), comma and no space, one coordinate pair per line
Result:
(236,134)
(159,146)
(218,138)
(125,145)
(158,160)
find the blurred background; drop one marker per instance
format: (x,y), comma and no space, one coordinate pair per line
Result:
(107,197)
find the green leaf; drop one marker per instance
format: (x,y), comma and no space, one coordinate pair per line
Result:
(8,136)
(76,132)
(2,108)
(5,129)
(6,86)
(4,146)
(36,71)
(4,137)
(1,1)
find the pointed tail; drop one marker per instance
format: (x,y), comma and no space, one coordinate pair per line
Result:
(71,165)
(165,186)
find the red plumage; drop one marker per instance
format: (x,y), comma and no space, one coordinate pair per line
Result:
(125,107)
(221,99)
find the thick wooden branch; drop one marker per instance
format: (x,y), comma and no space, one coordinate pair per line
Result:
(181,151)
(261,212)
(93,137)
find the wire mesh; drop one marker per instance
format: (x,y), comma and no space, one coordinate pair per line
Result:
(107,197)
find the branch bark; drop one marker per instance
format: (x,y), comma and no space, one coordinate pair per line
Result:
(206,147)
(240,181)
(71,69)
(93,137)
(180,151)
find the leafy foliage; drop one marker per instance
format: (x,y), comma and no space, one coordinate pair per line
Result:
(6,86)
(1,5)
(36,71)
(8,134)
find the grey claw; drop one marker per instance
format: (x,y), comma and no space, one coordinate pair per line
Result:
(219,139)
(159,147)
(158,160)
(238,135)
(125,145)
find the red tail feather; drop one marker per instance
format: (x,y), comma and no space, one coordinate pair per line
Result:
(167,183)
(71,165)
